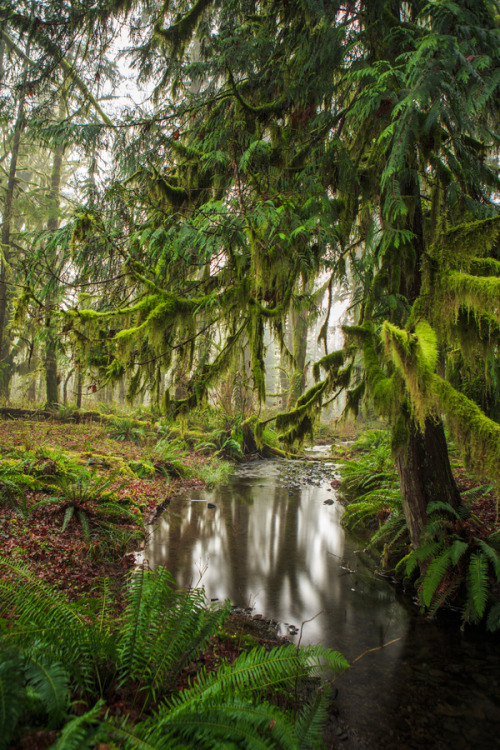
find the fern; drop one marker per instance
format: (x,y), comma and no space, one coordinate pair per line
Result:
(82,732)
(493,619)
(12,695)
(492,555)
(50,681)
(44,613)
(446,507)
(434,575)
(161,628)
(457,549)
(477,580)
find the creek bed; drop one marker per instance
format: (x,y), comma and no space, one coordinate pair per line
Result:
(274,545)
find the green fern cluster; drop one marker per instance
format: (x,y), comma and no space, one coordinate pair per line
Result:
(124,428)
(459,562)
(58,658)
(369,481)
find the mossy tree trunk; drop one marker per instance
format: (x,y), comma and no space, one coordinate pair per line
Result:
(300,329)
(5,239)
(79,385)
(423,466)
(425,475)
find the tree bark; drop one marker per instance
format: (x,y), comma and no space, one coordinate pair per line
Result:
(300,328)
(425,475)
(8,210)
(51,340)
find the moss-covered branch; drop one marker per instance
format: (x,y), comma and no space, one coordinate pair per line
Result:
(477,436)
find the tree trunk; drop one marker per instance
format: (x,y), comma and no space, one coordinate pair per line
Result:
(8,210)
(423,466)
(425,475)
(51,340)
(79,386)
(300,327)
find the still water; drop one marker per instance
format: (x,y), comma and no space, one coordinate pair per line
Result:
(274,543)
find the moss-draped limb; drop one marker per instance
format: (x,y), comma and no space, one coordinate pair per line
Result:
(329,361)
(257,352)
(478,437)
(457,247)
(89,316)
(485,267)
(299,421)
(206,374)
(415,357)
(179,34)
(383,387)
(262,109)
(479,294)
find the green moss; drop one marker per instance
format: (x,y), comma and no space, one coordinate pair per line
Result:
(479,294)
(485,267)
(477,436)
(332,361)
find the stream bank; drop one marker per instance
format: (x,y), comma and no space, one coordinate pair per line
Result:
(272,542)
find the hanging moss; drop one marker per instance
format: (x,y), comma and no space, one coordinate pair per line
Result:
(179,34)
(485,267)
(458,246)
(477,436)
(298,432)
(479,294)
(310,399)
(174,195)
(415,357)
(332,361)
(354,397)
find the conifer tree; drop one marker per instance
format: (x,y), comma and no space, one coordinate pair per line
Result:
(295,138)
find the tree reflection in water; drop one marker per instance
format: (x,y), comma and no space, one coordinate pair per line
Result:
(271,543)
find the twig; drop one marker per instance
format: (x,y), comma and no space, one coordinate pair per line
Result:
(367,651)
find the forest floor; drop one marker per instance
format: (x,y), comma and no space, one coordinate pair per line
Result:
(73,503)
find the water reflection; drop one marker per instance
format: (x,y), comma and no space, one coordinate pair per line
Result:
(276,547)
(273,545)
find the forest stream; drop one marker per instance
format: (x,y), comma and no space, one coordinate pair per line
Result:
(271,541)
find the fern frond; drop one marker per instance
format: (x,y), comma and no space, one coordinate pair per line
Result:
(477,580)
(457,549)
(51,683)
(82,732)
(434,575)
(493,619)
(68,515)
(44,613)
(258,669)
(163,628)
(310,722)
(409,561)
(233,723)
(12,695)
(446,507)
(492,556)
(444,596)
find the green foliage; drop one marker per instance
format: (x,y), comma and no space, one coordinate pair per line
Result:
(127,429)
(370,486)
(459,560)
(161,631)
(169,454)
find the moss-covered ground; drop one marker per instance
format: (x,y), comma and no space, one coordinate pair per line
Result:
(74,500)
